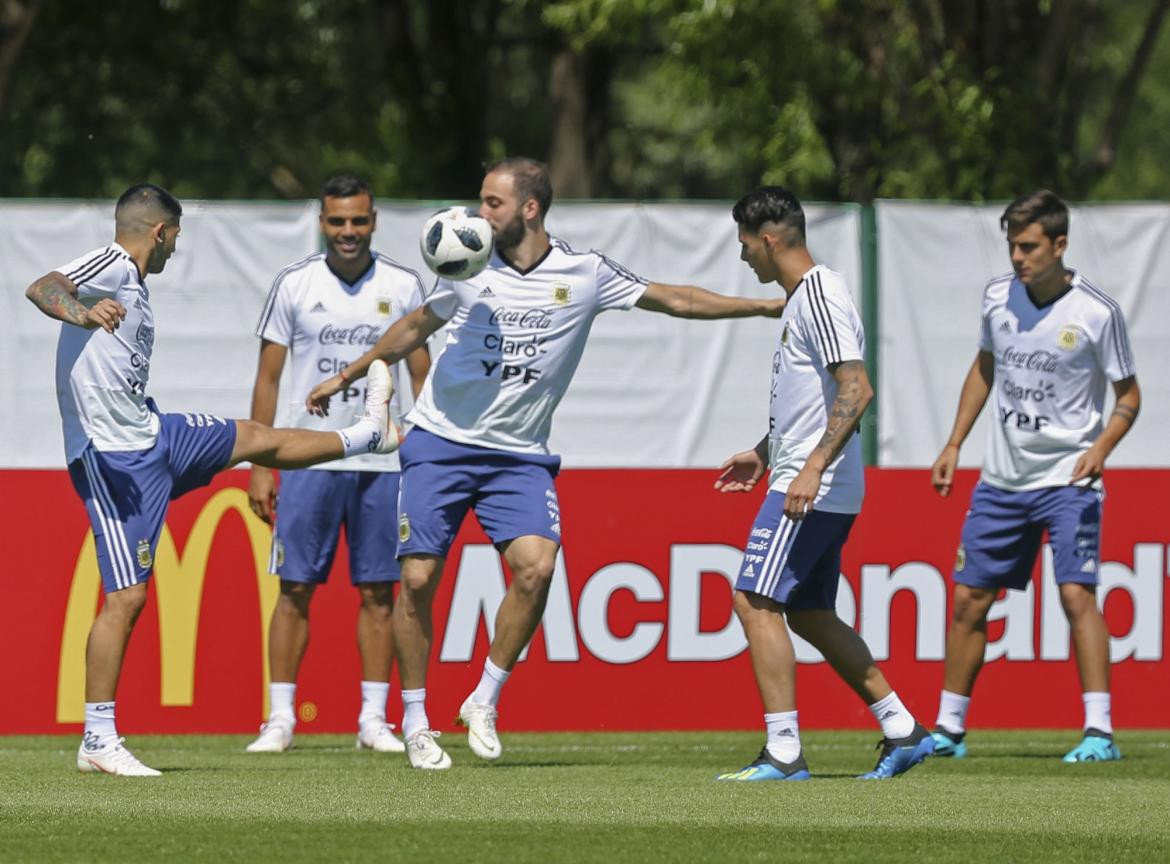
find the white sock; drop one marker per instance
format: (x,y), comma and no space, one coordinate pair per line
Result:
(361,437)
(374,695)
(895,720)
(490,684)
(952,712)
(282,697)
(783,735)
(99,721)
(414,711)
(1098,713)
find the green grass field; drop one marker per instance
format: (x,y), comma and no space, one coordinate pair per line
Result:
(587,797)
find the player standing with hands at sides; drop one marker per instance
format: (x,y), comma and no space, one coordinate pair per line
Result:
(482,422)
(792,563)
(325,310)
(127,460)
(1049,342)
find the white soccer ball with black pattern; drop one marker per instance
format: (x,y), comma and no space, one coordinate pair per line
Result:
(456,243)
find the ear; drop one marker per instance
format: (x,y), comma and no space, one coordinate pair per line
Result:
(1059,245)
(531,210)
(159,232)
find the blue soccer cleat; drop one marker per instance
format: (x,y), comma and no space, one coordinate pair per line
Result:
(767,767)
(1096,746)
(901,754)
(949,743)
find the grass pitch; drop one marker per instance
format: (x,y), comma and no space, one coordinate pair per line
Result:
(586,797)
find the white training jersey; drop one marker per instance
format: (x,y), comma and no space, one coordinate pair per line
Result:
(819,327)
(326,324)
(1052,365)
(101,377)
(513,344)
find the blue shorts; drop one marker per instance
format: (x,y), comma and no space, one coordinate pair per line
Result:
(1003,530)
(312,509)
(513,494)
(797,564)
(127,492)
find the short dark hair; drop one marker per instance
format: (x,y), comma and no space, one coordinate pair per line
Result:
(345,186)
(770,205)
(148,195)
(530,178)
(1040,206)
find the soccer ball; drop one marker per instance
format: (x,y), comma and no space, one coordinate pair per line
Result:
(456,243)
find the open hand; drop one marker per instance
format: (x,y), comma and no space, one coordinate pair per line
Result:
(106,313)
(741,472)
(318,401)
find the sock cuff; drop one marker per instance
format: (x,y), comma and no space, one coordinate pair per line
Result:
(780,717)
(412,696)
(886,702)
(494,671)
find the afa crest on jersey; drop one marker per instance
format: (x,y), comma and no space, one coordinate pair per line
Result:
(562,293)
(1069,338)
(384,307)
(145,559)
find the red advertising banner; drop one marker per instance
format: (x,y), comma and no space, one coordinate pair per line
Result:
(639,632)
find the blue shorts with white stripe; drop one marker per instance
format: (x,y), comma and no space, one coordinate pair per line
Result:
(797,564)
(126,492)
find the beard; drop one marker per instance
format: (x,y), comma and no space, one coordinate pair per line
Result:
(509,236)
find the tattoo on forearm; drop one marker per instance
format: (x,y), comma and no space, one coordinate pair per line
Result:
(51,298)
(1125,413)
(845,413)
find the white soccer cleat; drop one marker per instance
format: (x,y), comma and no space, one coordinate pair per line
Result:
(111,758)
(480,721)
(379,389)
(424,752)
(379,736)
(275,737)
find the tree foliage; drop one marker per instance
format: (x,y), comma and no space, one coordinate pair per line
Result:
(841,99)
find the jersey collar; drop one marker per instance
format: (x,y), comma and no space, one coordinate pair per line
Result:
(1072,283)
(354,286)
(804,278)
(535,263)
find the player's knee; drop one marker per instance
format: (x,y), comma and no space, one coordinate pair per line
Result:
(812,624)
(535,575)
(417,584)
(971,605)
(750,608)
(1078,600)
(126,604)
(377,597)
(295,596)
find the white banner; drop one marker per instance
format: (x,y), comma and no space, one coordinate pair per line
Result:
(933,262)
(651,391)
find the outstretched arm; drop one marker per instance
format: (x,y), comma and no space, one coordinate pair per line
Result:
(1128,402)
(976,388)
(404,336)
(262,482)
(854,394)
(56,296)
(689,301)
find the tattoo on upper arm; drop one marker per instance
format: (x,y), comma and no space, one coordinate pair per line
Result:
(51,297)
(845,413)
(1125,412)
